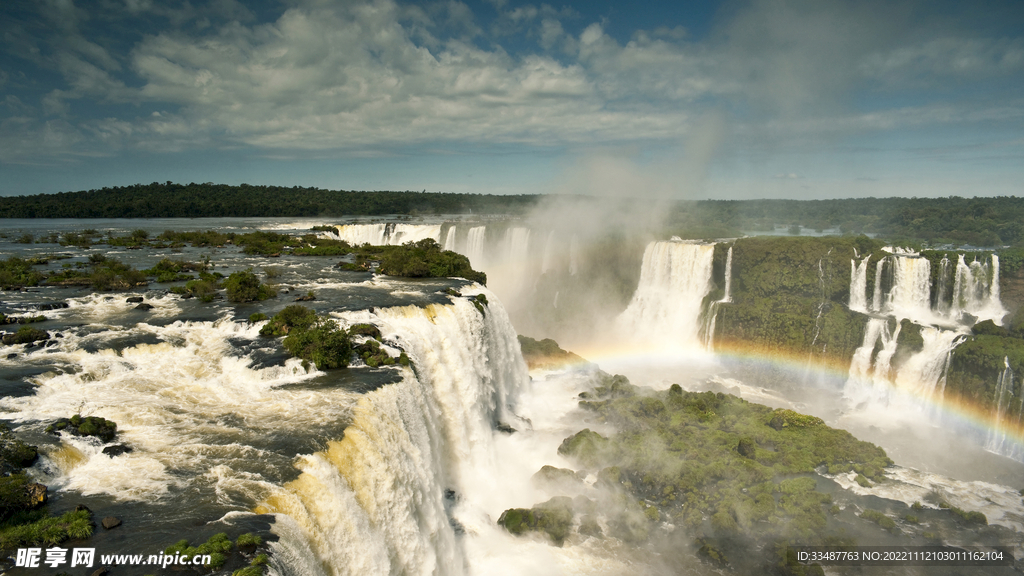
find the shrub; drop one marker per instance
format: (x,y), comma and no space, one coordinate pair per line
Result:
(244,286)
(324,344)
(48,531)
(292,317)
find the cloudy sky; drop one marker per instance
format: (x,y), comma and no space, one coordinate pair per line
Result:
(735,99)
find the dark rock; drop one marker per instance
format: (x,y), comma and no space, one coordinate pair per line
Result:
(12,356)
(144,306)
(450,494)
(306,298)
(52,306)
(117,450)
(50,343)
(557,479)
(186,296)
(134,299)
(101,571)
(110,522)
(83,508)
(502,427)
(25,335)
(14,454)
(36,495)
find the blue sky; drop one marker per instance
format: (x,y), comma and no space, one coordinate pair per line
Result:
(736,99)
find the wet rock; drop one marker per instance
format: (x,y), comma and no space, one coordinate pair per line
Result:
(144,306)
(306,298)
(557,479)
(12,356)
(110,522)
(88,426)
(502,427)
(102,571)
(25,335)
(747,448)
(134,299)
(83,508)
(50,343)
(52,306)
(36,494)
(117,450)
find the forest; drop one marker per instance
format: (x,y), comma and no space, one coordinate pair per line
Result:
(981,222)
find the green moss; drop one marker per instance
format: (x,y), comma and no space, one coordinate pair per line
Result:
(879,518)
(96,426)
(257,317)
(554,518)
(217,546)
(25,335)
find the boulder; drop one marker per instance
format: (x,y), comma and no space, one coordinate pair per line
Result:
(134,299)
(52,306)
(36,494)
(117,450)
(110,522)
(144,306)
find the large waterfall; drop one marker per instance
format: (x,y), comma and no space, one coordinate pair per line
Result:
(666,309)
(418,460)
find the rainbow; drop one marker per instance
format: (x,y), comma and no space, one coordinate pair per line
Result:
(956,411)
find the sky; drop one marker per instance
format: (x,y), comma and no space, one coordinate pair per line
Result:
(805,99)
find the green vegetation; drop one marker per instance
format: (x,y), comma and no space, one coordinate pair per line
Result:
(736,475)
(96,426)
(168,270)
(45,530)
(790,295)
(423,259)
(218,547)
(323,343)
(169,200)
(295,316)
(4,319)
(245,286)
(554,517)
(18,273)
(879,518)
(104,274)
(205,287)
(25,335)
(545,353)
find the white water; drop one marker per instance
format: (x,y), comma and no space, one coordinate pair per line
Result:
(976,290)
(449,239)
(859,285)
(373,502)
(1004,401)
(475,246)
(665,311)
(388,234)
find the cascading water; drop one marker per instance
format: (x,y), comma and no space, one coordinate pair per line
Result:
(910,296)
(388,234)
(859,284)
(1004,401)
(712,315)
(976,290)
(549,253)
(475,246)
(418,459)
(666,307)
(449,239)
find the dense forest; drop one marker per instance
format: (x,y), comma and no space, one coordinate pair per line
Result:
(976,221)
(170,200)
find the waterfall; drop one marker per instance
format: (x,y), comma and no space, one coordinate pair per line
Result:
(449,240)
(870,374)
(859,285)
(924,373)
(942,296)
(876,297)
(1003,400)
(388,234)
(475,246)
(728,277)
(549,253)
(666,307)
(910,296)
(976,290)
(418,460)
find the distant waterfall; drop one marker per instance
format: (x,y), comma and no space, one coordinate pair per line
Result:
(728,277)
(475,246)
(449,240)
(712,314)
(1003,400)
(548,261)
(910,296)
(388,234)
(574,255)
(942,297)
(386,499)
(976,290)
(859,285)
(666,307)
